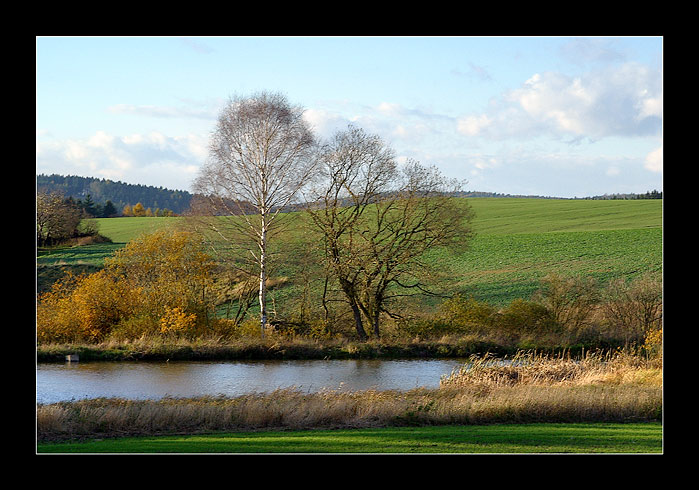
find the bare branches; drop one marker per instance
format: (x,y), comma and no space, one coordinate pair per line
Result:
(378,221)
(260,157)
(260,153)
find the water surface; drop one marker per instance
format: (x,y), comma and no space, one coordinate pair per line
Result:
(155,380)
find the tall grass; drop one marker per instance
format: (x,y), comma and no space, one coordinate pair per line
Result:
(538,369)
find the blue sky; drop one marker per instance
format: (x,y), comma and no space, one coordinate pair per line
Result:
(554,116)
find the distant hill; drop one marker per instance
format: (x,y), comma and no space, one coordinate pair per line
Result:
(119,193)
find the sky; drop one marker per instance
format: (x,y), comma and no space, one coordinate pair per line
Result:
(549,116)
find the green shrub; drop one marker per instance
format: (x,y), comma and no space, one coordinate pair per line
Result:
(466,315)
(631,310)
(570,300)
(523,317)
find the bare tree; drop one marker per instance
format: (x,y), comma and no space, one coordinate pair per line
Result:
(420,215)
(378,222)
(260,157)
(56,220)
(355,168)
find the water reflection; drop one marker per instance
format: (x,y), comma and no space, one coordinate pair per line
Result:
(154,380)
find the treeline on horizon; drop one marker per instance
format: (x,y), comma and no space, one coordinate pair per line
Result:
(101,192)
(120,194)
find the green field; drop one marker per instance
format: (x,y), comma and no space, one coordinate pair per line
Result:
(122,230)
(517,242)
(525,438)
(504,216)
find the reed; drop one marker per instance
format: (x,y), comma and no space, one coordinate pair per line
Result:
(532,368)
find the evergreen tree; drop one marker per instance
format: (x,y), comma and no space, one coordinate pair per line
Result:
(108,210)
(88,205)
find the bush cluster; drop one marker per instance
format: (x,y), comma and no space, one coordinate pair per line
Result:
(564,312)
(158,284)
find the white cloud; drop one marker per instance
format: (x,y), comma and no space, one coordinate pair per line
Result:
(390,109)
(654,160)
(151,159)
(325,123)
(393,122)
(519,170)
(619,101)
(613,171)
(472,125)
(652,106)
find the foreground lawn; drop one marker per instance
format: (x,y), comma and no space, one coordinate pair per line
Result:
(525,438)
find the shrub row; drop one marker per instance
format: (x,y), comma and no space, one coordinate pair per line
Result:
(564,312)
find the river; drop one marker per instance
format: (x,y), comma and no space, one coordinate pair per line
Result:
(183,379)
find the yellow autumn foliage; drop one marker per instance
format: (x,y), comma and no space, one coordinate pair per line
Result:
(159,282)
(177,321)
(168,268)
(653,342)
(83,308)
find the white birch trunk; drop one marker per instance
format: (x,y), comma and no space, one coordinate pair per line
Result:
(263,277)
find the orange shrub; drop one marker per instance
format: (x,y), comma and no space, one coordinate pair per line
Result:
(82,308)
(158,283)
(177,321)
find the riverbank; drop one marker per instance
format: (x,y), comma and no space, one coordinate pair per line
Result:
(288,349)
(618,388)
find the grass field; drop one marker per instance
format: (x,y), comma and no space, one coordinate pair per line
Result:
(519,438)
(517,242)
(122,230)
(504,216)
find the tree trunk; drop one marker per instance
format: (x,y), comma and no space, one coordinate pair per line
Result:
(358,322)
(375,322)
(263,279)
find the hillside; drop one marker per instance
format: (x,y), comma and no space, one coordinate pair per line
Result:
(517,242)
(119,193)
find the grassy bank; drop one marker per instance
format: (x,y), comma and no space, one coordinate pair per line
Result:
(513,438)
(298,348)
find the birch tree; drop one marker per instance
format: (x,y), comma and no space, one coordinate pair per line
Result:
(260,158)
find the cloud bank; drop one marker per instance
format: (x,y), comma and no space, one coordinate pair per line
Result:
(152,159)
(624,101)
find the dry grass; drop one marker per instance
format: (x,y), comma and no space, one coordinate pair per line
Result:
(618,389)
(527,368)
